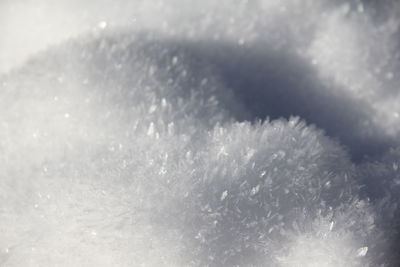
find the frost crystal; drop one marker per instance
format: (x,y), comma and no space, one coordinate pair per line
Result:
(224,195)
(361,252)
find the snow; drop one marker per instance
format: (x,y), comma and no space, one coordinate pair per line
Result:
(237,133)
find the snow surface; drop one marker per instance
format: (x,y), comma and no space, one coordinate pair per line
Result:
(177,133)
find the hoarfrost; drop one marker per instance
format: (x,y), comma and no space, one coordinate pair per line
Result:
(177,145)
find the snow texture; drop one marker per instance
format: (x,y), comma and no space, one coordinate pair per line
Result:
(177,133)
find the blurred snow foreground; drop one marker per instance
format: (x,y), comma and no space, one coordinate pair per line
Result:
(174,144)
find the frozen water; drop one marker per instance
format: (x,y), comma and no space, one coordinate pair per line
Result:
(176,133)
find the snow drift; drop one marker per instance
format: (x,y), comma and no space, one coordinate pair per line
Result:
(241,133)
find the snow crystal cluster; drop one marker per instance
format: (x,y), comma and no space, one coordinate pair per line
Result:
(229,133)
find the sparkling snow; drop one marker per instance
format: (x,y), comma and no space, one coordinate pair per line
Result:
(199,133)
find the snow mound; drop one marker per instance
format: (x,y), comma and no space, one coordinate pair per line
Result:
(209,139)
